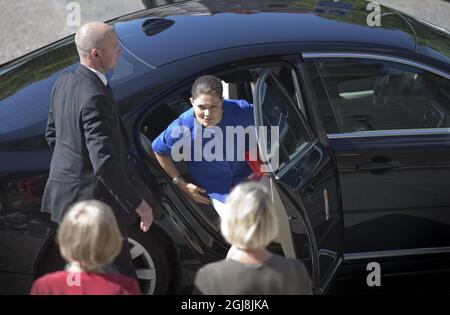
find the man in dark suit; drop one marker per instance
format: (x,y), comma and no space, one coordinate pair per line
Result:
(84,129)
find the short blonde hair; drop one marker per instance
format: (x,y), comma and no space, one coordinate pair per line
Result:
(89,235)
(249,221)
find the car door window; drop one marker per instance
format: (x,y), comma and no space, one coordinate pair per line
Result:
(279,109)
(368,94)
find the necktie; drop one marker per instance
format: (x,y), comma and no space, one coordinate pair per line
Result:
(108,87)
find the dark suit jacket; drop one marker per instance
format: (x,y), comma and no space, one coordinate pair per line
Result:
(90,149)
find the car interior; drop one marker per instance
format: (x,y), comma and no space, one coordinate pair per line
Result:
(238,84)
(386,98)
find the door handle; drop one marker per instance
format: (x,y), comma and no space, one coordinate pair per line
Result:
(378,164)
(310,189)
(308,194)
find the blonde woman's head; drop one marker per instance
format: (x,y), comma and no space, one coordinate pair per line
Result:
(250,221)
(89,235)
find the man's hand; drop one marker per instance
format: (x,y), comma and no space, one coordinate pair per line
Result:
(195,192)
(146,214)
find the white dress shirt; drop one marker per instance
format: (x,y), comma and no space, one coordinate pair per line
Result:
(100,75)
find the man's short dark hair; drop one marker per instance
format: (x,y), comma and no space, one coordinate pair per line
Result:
(207,84)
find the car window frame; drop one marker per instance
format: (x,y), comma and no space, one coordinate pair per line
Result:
(301,118)
(218,70)
(313,56)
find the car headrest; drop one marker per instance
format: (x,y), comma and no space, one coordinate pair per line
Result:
(392,88)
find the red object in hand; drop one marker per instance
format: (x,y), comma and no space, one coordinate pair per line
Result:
(255,166)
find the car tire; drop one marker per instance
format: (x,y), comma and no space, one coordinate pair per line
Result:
(150,260)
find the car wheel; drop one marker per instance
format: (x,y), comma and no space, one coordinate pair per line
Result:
(150,261)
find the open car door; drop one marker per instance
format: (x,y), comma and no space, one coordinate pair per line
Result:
(303,181)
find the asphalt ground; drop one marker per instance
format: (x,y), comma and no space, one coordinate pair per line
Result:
(26,25)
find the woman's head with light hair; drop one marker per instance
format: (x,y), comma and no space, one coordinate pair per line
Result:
(89,235)
(249,221)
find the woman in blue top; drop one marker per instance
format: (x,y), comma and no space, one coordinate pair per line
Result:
(212,137)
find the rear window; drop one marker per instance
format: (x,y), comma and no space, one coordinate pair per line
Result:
(25,87)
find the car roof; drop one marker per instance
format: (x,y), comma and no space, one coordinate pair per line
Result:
(162,35)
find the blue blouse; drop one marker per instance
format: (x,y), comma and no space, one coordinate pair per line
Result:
(227,168)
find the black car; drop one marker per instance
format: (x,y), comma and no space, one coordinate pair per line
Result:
(364,119)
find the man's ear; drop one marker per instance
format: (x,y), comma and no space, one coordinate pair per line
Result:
(94,53)
(192,101)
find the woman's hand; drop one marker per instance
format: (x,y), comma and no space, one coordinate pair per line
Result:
(195,193)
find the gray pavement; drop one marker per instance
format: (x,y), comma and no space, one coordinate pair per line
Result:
(26,25)
(434,11)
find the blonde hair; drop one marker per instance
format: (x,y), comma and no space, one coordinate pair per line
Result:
(89,235)
(249,221)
